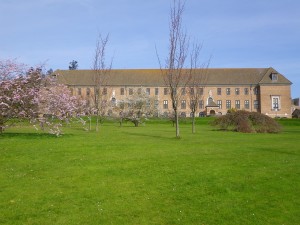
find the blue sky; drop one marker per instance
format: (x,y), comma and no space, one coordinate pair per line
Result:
(234,33)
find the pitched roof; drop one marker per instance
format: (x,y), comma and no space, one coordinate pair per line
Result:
(153,77)
(211,103)
(266,79)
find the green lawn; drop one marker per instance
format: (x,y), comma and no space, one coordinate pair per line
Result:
(144,175)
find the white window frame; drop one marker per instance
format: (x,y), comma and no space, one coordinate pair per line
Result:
(275,98)
(219,103)
(165,104)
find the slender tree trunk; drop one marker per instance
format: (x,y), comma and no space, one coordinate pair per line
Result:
(1,126)
(90,123)
(97,121)
(193,124)
(136,123)
(177,124)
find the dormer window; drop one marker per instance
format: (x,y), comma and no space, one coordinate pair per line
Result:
(274,77)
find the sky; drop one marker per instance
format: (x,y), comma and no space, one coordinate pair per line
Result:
(233,33)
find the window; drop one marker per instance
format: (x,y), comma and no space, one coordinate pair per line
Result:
(148,103)
(274,77)
(88,92)
(166,91)
(247,105)
(130,91)
(246,91)
(156,104)
(201,104)
(113,101)
(104,92)
(219,103)
(256,104)
(237,91)
(182,114)
(122,91)
(121,104)
(174,90)
(165,104)
(139,91)
(183,104)
(228,104)
(79,91)
(148,91)
(200,91)
(156,91)
(183,91)
(256,91)
(97,90)
(193,104)
(192,92)
(237,104)
(275,103)
(219,91)
(227,91)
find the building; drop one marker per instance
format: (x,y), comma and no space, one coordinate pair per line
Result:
(296,102)
(261,90)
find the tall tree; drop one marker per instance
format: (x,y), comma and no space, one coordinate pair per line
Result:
(73,65)
(174,72)
(101,77)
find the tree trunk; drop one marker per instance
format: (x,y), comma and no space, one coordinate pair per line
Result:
(1,126)
(193,124)
(97,122)
(177,124)
(90,123)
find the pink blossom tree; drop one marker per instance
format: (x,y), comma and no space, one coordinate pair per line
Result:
(57,105)
(18,93)
(25,95)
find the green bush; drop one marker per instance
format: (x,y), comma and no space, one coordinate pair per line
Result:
(247,122)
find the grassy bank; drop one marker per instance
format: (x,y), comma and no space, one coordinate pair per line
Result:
(143,175)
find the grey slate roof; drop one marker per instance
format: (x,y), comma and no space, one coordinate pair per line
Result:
(153,77)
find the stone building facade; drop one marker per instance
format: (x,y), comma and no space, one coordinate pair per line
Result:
(261,90)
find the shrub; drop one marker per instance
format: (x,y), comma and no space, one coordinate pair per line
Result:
(247,122)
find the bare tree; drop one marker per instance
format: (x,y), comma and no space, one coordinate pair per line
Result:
(101,76)
(174,73)
(197,82)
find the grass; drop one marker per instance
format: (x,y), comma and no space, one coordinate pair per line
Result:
(144,175)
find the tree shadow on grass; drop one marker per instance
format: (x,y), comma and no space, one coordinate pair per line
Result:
(149,135)
(31,135)
(280,151)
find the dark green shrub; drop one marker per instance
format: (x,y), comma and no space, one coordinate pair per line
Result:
(247,122)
